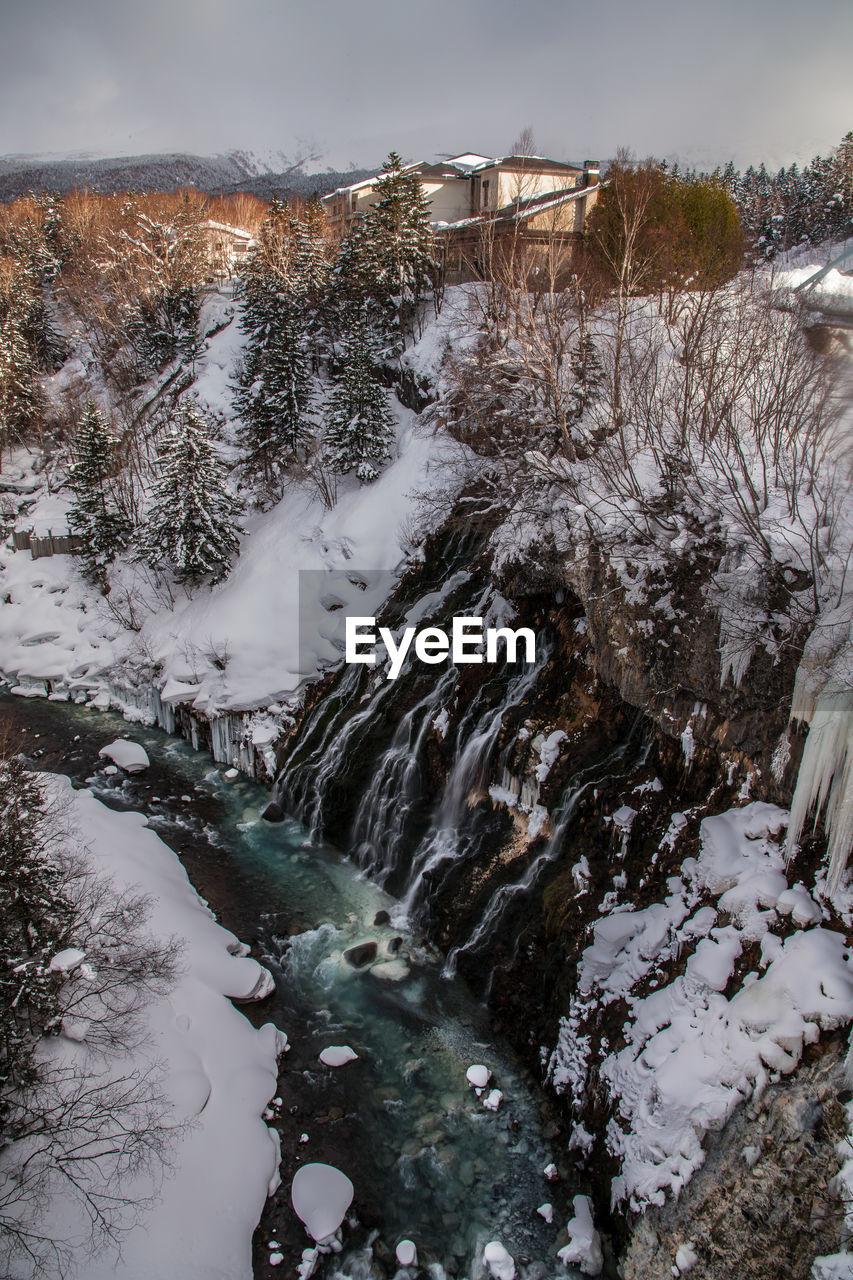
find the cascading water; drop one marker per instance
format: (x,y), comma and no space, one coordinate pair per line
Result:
(505,895)
(382,820)
(446,839)
(438,1165)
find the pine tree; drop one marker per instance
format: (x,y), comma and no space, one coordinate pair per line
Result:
(275,407)
(359,424)
(192,520)
(35,916)
(587,374)
(400,225)
(19,387)
(96,515)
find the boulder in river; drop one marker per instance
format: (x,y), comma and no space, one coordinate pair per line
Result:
(363,953)
(381,917)
(273,812)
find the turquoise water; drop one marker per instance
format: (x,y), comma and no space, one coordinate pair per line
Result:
(441,1168)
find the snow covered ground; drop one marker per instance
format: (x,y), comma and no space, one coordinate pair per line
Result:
(216,1070)
(693,1052)
(236,645)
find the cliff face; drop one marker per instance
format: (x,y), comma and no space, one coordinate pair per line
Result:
(514,814)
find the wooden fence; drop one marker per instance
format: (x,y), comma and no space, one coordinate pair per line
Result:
(52,544)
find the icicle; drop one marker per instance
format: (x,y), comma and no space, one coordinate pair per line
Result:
(825,778)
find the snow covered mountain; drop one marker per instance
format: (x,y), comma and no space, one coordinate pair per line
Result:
(236,171)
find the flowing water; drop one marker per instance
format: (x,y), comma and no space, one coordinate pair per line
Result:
(437,1165)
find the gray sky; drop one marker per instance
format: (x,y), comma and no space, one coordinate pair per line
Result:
(701,81)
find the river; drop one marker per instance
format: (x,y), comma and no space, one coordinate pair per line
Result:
(428,1160)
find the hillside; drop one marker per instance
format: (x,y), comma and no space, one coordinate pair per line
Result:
(630,841)
(227,174)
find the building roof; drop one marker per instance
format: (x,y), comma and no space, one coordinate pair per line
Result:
(520,210)
(210,225)
(463,166)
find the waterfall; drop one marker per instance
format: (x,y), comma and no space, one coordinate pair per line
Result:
(382,820)
(446,841)
(498,905)
(329,739)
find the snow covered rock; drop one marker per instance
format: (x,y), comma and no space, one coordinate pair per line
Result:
(493,1100)
(499,1262)
(407,1254)
(321,1195)
(337,1055)
(308,1265)
(128,755)
(584,1247)
(551,1172)
(686,1258)
(546,1211)
(478,1076)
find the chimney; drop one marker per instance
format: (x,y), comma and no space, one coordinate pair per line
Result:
(591,171)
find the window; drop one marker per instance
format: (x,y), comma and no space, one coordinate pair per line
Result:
(485,190)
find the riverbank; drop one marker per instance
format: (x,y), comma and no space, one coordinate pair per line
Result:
(425,1157)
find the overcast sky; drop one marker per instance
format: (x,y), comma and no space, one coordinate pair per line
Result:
(701,81)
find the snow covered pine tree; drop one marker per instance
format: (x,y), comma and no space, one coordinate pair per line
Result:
(96,515)
(359,423)
(192,520)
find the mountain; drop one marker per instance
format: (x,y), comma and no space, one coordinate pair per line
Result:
(237,171)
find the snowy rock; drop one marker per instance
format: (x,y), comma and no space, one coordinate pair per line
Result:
(546,1211)
(407,1254)
(478,1076)
(129,756)
(337,1055)
(584,1247)
(551,1173)
(499,1262)
(111,770)
(231,774)
(390,970)
(321,1195)
(686,1258)
(276,1259)
(799,905)
(493,1100)
(308,1265)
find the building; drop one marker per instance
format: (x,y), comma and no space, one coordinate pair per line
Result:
(475,199)
(226,248)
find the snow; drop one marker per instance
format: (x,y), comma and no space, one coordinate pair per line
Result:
(217,1071)
(499,1262)
(493,1100)
(321,1195)
(584,1247)
(686,1258)
(251,639)
(407,1254)
(692,1055)
(549,753)
(65,961)
(478,1076)
(128,755)
(546,1211)
(337,1055)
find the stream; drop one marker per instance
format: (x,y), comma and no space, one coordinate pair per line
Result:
(428,1161)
